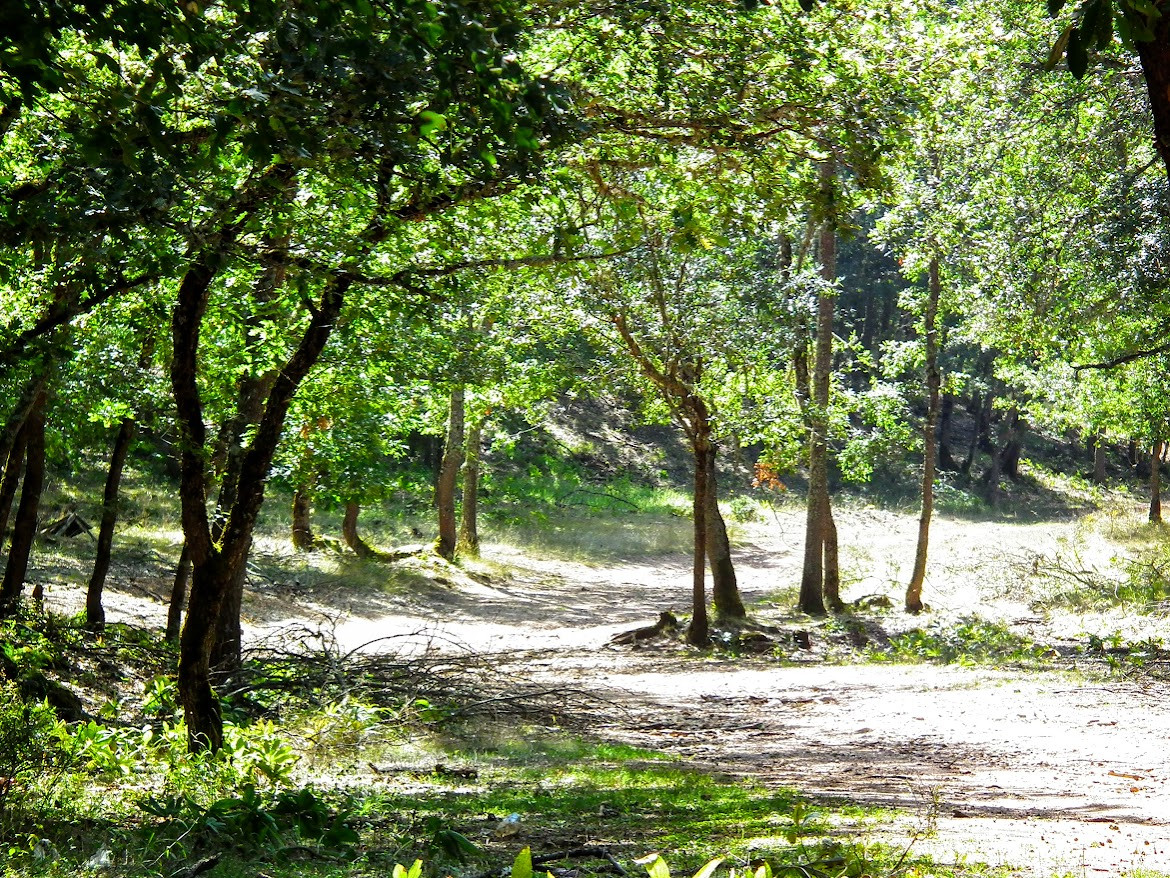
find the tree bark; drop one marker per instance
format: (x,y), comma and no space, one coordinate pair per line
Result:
(933,385)
(832,564)
(724,588)
(227,651)
(817,530)
(215,564)
(468,543)
(449,475)
(178,595)
(303,538)
(349,531)
(1013,445)
(95,613)
(946,457)
(1099,458)
(24,529)
(1155,59)
(699,631)
(12,471)
(1156,482)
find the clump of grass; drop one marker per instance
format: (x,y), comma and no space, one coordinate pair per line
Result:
(970,641)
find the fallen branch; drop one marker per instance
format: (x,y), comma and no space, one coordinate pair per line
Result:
(575,854)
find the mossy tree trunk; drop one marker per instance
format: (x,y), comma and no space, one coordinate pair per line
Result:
(303,538)
(349,531)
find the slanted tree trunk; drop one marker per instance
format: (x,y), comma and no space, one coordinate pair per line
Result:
(215,564)
(449,476)
(349,531)
(95,613)
(1156,482)
(12,471)
(178,595)
(468,543)
(13,440)
(24,529)
(817,525)
(933,384)
(677,380)
(724,588)
(303,538)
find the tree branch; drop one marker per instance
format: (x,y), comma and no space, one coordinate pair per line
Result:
(1124,358)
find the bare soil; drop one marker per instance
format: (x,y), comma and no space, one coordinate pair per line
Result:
(1051,772)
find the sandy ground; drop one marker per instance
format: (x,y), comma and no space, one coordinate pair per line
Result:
(1049,772)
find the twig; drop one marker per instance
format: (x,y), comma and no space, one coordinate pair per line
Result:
(629,503)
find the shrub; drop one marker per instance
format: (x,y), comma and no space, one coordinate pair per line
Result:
(28,745)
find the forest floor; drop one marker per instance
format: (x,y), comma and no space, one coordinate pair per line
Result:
(1060,769)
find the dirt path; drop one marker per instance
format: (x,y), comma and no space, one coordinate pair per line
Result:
(1045,771)
(1048,772)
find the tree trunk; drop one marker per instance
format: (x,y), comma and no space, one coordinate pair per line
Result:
(349,531)
(303,539)
(24,530)
(469,509)
(699,631)
(724,588)
(95,613)
(178,595)
(1155,58)
(448,476)
(227,652)
(12,470)
(933,384)
(832,564)
(1099,458)
(975,409)
(1009,463)
(946,457)
(1156,482)
(817,531)
(216,563)
(990,480)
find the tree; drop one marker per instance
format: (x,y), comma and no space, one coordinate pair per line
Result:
(370,153)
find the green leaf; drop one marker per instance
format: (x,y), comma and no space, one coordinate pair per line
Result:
(1077,53)
(709,869)
(655,866)
(431,122)
(1057,51)
(522,865)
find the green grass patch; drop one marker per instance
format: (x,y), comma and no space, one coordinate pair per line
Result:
(970,641)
